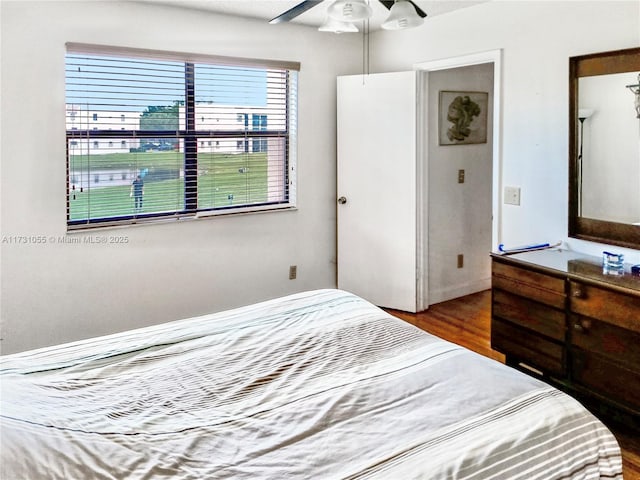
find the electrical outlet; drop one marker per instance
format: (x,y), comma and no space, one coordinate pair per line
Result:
(293,272)
(512,195)
(460,176)
(460,260)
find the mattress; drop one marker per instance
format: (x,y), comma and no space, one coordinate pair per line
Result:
(320,384)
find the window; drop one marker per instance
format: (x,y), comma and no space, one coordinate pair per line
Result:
(246,107)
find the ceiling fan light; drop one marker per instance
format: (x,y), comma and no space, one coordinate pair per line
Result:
(349,10)
(337,26)
(402,15)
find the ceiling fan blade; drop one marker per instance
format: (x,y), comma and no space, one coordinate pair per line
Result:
(295,11)
(390,3)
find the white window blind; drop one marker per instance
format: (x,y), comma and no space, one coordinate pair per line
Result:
(154,134)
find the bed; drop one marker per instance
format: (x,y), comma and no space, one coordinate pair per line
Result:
(319,384)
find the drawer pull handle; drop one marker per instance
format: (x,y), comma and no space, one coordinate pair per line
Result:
(582,326)
(577,292)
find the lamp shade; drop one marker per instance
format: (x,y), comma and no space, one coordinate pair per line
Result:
(337,26)
(349,10)
(402,15)
(584,113)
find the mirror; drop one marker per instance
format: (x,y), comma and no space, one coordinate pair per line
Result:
(604,148)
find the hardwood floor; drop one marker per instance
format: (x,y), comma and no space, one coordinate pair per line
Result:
(467,322)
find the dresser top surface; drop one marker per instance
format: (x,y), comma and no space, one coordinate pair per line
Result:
(575,265)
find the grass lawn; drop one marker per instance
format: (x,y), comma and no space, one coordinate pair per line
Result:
(223,180)
(120,161)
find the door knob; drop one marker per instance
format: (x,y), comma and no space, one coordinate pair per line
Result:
(342,200)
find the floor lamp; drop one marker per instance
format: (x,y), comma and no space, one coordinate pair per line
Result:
(583,114)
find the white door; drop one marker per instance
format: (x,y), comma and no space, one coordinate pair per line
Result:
(377,205)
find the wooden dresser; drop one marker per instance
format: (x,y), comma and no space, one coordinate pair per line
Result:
(557,316)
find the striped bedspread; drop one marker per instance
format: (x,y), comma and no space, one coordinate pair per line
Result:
(318,385)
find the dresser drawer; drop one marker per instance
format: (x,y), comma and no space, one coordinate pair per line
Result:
(614,307)
(616,344)
(528,347)
(527,283)
(609,379)
(529,314)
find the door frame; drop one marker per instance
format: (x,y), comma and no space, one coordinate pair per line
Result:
(423,69)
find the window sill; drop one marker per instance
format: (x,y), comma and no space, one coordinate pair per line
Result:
(73,229)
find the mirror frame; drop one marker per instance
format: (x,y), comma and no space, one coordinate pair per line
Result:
(603,63)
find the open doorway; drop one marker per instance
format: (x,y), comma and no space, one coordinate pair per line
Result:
(460,204)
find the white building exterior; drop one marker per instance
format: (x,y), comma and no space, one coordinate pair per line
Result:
(221,118)
(83,119)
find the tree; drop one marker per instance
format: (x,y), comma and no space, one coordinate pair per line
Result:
(161,117)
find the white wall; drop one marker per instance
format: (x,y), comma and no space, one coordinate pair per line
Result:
(537,38)
(57,292)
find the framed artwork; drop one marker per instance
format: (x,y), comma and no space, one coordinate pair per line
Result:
(462,117)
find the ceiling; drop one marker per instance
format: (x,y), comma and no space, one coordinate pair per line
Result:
(268,9)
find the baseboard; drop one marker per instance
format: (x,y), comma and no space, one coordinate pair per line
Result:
(437,295)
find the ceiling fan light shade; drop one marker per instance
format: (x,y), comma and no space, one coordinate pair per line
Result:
(349,10)
(337,26)
(402,15)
